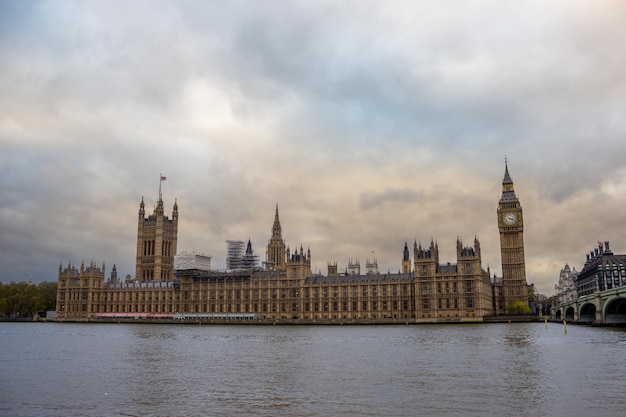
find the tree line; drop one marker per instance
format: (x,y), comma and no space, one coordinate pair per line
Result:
(25,299)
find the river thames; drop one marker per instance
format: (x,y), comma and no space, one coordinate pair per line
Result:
(52,369)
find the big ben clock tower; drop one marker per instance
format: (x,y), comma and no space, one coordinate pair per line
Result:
(511,225)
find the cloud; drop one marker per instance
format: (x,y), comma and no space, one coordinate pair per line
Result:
(390,195)
(369,124)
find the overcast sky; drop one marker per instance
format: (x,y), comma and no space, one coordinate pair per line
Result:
(369,123)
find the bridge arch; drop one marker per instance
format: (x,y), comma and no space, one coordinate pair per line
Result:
(558,315)
(569,313)
(587,313)
(615,311)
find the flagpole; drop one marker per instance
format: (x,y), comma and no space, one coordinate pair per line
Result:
(161,179)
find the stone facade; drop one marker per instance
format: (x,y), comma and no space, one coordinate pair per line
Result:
(424,290)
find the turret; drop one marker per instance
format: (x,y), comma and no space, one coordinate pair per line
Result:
(159,211)
(425,261)
(406,259)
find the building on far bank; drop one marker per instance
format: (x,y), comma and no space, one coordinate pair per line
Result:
(603,270)
(565,290)
(598,295)
(284,287)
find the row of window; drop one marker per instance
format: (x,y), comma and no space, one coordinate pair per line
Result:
(149,248)
(447,303)
(325,292)
(354,291)
(354,306)
(266,307)
(448,287)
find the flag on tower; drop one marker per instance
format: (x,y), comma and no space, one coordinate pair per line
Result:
(163,178)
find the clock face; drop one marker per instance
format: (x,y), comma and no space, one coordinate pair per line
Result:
(509,218)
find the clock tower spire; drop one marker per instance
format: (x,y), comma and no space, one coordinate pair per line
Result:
(511,226)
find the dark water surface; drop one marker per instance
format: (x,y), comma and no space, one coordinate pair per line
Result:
(50,369)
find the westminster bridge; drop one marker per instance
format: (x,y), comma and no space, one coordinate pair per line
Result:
(601,307)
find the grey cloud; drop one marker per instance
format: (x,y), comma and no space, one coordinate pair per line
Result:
(94,106)
(393,195)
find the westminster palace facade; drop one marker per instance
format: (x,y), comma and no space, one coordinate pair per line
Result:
(285,289)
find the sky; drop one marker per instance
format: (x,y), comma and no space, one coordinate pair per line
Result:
(369,123)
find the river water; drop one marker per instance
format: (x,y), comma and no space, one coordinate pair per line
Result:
(53,369)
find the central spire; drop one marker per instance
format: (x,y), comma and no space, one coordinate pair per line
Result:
(276,229)
(276,248)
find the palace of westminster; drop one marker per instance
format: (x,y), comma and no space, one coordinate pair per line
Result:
(169,286)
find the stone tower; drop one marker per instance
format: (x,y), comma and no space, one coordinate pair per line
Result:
(157,236)
(276,248)
(511,226)
(425,261)
(298,264)
(78,291)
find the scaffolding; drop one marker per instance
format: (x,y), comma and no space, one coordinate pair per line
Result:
(234,258)
(237,260)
